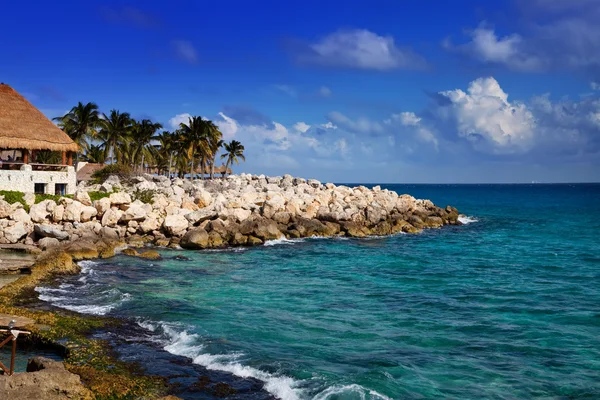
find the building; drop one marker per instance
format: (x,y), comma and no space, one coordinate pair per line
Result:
(85,171)
(35,155)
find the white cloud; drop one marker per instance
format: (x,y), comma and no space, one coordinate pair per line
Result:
(185,51)
(328,125)
(362,49)
(342,146)
(301,127)
(485,46)
(485,117)
(324,91)
(179,119)
(360,125)
(408,118)
(227,126)
(595,85)
(287,89)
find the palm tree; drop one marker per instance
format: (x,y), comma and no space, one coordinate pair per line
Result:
(195,136)
(142,134)
(214,143)
(235,151)
(95,154)
(114,129)
(80,124)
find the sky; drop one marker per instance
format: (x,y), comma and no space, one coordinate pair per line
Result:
(380,91)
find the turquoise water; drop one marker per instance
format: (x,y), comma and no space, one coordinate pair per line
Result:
(505,307)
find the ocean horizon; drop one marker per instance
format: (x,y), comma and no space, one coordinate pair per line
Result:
(505,306)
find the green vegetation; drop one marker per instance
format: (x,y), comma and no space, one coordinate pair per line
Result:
(145,196)
(192,148)
(11,197)
(121,170)
(41,197)
(98,195)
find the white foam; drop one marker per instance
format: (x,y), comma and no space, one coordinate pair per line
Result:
(182,343)
(465,219)
(283,240)
(60,298)
(335,391)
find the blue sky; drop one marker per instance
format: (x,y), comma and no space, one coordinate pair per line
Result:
(379,91)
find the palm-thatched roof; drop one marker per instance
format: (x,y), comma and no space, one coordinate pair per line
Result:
(85,173)
(218,170)
(22,126)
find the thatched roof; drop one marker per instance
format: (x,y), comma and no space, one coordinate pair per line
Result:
(85,173)
(218,170)
(22,126)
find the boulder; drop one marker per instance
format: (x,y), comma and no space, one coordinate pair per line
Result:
(83,197)
(20,215)
(200,216)
(111,217)
(151,223)
(175,225)
(58,213)
(106,188)
(260,227)
(134,213)
(50,231)
(73,212)
(202,198)
(48,243)
(119,198)
(109,233)
(29,199)
(45,379)
(102,205)
(39,212)
(5,209)
(14,233)
(195,239)
(87,213)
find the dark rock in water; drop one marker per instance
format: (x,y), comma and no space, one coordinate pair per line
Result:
(195,239)
(182,258)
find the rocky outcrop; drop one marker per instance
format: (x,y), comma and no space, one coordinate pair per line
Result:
(44,379)
(239,210)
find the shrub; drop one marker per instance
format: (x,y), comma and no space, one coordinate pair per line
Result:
(12,196)
(41,197)
(145,196)
(121,170)
(98,195)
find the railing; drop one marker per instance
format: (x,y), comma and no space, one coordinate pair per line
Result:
(15,166)
(13,334)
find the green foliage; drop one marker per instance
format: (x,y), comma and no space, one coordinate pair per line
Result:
(98,195)
(48,157)
(12,196)
(145,196)
(46,196)
(121,170)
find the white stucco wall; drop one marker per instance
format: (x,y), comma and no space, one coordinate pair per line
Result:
(24,180)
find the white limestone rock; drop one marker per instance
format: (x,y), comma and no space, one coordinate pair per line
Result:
(175,225)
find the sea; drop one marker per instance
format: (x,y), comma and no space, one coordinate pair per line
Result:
(506,306)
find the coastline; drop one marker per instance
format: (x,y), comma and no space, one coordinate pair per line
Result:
(382,213)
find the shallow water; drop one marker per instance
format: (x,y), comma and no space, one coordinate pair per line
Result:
(507,306)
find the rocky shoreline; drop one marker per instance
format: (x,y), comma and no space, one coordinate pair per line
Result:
(240,210)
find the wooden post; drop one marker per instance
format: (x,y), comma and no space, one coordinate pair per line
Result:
(70,161)
(64,158)
(25,156)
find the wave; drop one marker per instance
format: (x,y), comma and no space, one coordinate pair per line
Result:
(182,343)
(465,219)
(282,240)
(361,391)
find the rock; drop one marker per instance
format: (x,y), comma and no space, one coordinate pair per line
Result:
(175,225)
(195,239)
(16,232)
(134,213)
(119,198)
(73,212)
(87,213)
(50,231)
(201,215)
(150,255)
(58,213)
(20,215)
(238,239)
(254,241)
(111,217)
(29,199)
(83,197)
(106,188)
(151,223)
(48,243)
(261,228)
(5,209)
(82,250)
(45,379)
(314,183)
(109,233)
(203,198)
(39,212)
(145,185)
(102,205)
(130,252)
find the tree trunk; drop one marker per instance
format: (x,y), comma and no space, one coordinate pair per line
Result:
(170,164)
(142,164)
(226,166)
(212,168)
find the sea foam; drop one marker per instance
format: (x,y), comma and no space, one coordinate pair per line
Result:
(465,219)
(182,343)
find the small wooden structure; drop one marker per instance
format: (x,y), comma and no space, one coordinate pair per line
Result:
(25,132)
(11,325)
